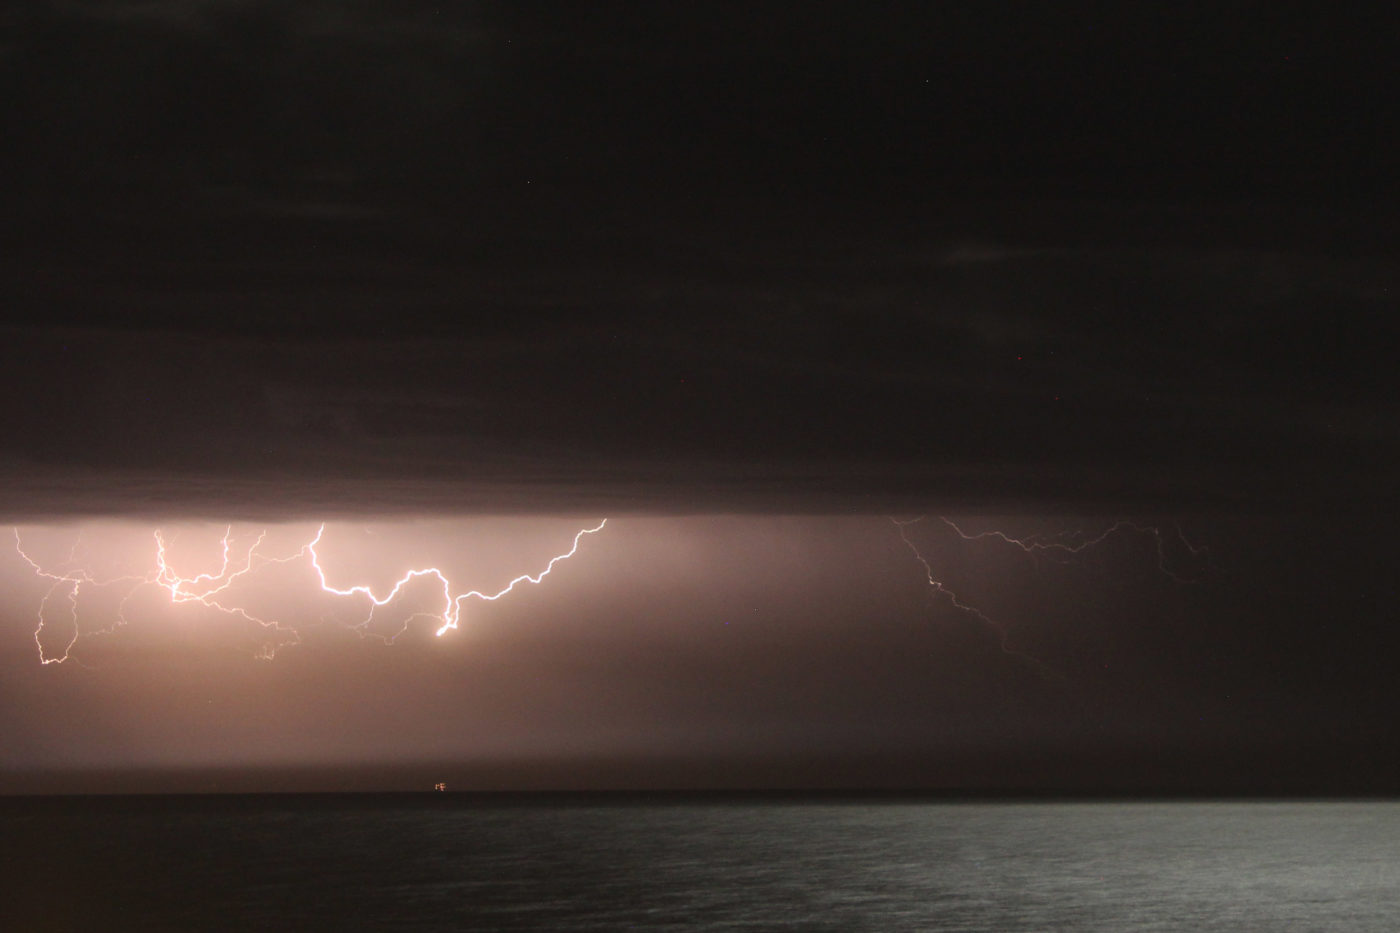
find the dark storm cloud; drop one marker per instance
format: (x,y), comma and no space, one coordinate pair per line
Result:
(789,374)
(489,257)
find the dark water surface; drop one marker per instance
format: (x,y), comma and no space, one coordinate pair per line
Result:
(295,863)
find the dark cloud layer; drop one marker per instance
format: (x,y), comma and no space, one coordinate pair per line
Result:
(784,374)
(482,258)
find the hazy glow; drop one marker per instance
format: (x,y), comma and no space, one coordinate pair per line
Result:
(695,638)
(248,559)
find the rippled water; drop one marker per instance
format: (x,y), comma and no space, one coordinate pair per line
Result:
(284,863)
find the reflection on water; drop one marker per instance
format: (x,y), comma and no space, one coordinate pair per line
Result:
(282,863)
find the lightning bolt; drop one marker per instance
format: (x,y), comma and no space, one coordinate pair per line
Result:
(1068,544)
(212,590)
(73,581)
(1061,547)
(244,555)
(452,605)
(998,629)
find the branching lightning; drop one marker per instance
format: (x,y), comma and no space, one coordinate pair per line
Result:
(214,590)
(74,584)
(1003,636)
(1068,544)
(452,605)
(1061,547)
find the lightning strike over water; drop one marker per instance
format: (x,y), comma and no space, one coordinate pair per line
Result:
(240,560)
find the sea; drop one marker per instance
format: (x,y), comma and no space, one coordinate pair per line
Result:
(468,862)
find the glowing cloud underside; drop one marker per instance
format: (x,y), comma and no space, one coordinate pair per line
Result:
(70,580)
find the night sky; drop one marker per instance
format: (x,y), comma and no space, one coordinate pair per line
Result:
(757,283)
